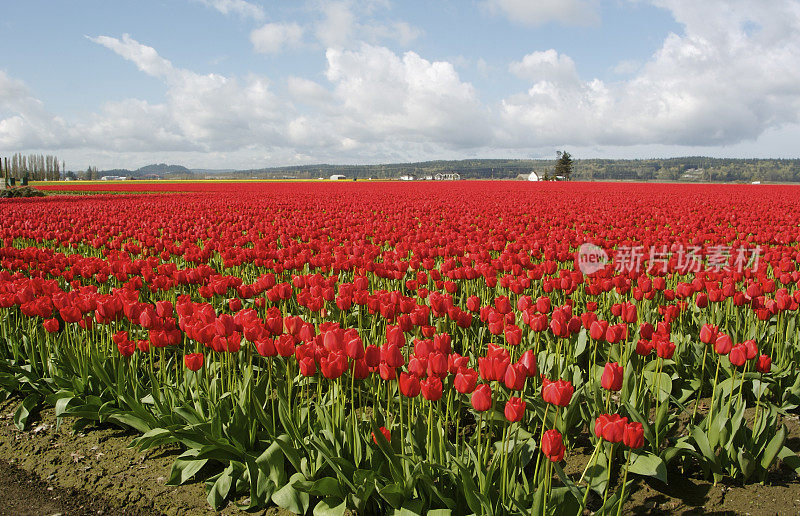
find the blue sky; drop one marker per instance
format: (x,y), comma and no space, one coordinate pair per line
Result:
(249,83)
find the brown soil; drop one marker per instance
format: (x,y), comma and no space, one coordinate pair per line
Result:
(48,470)
(688,493)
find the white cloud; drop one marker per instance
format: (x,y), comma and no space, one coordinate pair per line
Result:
(729,76)
(386,96)
(399,31)
(307,91)
(239,7)
(405,33)
(733,74)
(208,111)
(338,24)
(145,58)
(24,121)
(626,67)
(341,27)
(273,38)
(545,66)
(540,12)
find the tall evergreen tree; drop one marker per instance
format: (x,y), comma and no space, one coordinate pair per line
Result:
(563,165)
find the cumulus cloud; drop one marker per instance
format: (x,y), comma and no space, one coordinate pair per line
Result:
(340,26)
(273,38)
(308,91)
(24,121)
(539,12)
(384,95)
(337,25)
(545,66)
(207,111)
(731,75)
(240,7)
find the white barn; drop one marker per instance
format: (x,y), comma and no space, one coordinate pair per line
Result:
(533,176)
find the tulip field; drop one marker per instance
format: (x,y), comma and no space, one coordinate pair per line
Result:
(413,348)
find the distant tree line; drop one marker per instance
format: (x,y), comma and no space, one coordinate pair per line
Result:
(35,167)
(684,169)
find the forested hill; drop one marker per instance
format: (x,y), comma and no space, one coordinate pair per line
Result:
(671,169)
(689,169)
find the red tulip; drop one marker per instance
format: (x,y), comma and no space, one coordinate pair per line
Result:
(437,365)
(515,376)
(193,361)
(764,364)
(708,334)
(473,303)
(285,345)
(308,367)
(723,344)
(612,377)
(266,347)
(752,348)
(387,373)
(409,385)
(528,359)
(665,348)
(610,427)
(553,445)
(51,325)
(502,304)
(465,380)
(418,366)
(738,355)
(558,392)
(482,398)
(392,355)
(513,335)
(597,330)
(386,433)
(633,436)
(372,355)
(431,388)
(442,343)
(515,409)
(334,365)
(543,305)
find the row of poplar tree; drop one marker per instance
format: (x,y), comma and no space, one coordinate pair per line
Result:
(34,167)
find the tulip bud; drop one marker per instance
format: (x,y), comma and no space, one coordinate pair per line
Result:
(193,361)
(465,380)
(612,377)
(738,355)
(764,364)
(431,388)
(409,385)
(383,430)
(553,445)
(557,393)
(723,344)
(482,398)
(633,436)
(515,409)
(708,334)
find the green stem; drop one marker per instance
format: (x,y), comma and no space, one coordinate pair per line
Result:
(624,480)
